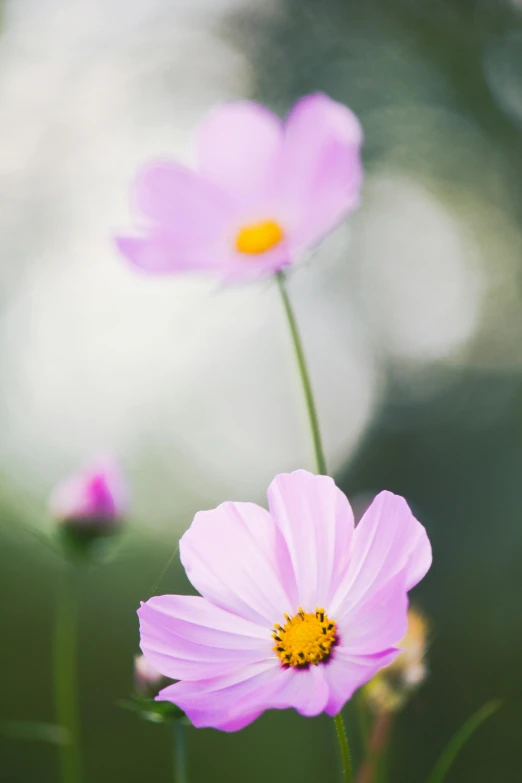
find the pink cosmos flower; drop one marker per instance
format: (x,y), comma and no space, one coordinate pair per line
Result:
(298,608)
(94,496)
(262,191)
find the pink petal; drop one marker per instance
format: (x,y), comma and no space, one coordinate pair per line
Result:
(229,703)
(369,636)
(305,690)
(163,253)
(159,254)
(316,521)
(188,637)
(97,491)
(190,224)
(347,672)
(192,236)
(232,556)
(387,541)
(378,622)
(321,166)
(238,146)
(177,198)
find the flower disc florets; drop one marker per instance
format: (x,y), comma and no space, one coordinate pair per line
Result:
(259,237)
(305,638)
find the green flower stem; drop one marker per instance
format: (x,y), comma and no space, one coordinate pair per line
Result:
(65,680)
(180,752)
(345,748)
(305,377)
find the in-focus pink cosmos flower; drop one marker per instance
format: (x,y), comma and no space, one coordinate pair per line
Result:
(262,191)
(94,496)
(298,608)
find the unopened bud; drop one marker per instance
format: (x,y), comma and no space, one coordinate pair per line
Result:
(147,680)
(90,504)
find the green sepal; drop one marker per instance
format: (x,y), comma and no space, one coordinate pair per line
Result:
(87,542)
(154,711)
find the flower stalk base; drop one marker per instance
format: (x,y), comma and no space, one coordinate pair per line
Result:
(65,679)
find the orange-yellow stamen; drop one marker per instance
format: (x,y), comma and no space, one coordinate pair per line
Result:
(305,638)
(259,237)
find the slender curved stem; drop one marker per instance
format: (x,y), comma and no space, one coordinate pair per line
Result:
(180,752)
(65,676)
(345,748)
(305,377)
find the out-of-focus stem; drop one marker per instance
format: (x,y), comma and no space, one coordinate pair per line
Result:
(377,745)
(180,752)
(65,677)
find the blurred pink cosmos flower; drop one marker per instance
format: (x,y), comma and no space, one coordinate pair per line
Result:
(94,496)
(298,608)
(262,191)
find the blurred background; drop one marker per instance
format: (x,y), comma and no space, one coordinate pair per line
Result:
(412,320)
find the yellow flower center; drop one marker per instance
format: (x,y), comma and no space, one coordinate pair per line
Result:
(259,237)
(305,638)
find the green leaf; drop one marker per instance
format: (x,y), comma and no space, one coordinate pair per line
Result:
(457,742)
(29,730)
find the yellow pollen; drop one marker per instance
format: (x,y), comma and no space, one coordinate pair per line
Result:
(259,237)
(305,638)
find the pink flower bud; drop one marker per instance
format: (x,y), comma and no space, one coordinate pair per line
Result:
(147,680)
(92,500)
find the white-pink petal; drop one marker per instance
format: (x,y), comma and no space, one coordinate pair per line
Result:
(228,703)
(161,252)
(232,557)
(347,672)
(304,690)
(235,700)
(321,169)
(316,521)
(187,637)
(387,541)
(167,193)
(378,622)
(238,147)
